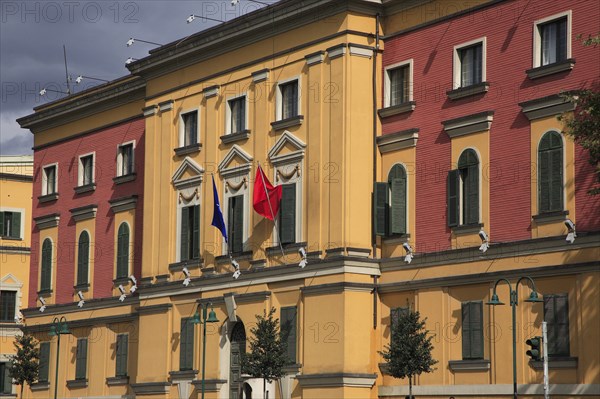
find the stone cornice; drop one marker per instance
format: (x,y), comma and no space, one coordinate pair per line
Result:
(336,380)
(473,123)
(397,141)
(93,321)
(84,212)
(47,221)
(546,106)
(123,204)
(90,304)
(336,288)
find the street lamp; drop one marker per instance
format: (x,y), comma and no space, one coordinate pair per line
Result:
(212,318)
(58,328)
(514,301)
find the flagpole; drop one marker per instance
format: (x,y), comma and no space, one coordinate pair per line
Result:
(262,176)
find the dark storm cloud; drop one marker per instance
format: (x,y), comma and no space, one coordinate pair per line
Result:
(32,34)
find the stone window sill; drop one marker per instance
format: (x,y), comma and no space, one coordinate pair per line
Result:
(566,362)
(85,189)
(190,264)
(4,238)
(468,91)
(238,256)
(47,292)
(113,381)
(82,287)
(40,386)
(551,69)
(120,280)
(465,229)
(80,383)
(48,197)
(550,217)
(124,178)
(188,149)
(395,239)
(408,106)
(287,248)
(237,136)
(289,122)
(469,365)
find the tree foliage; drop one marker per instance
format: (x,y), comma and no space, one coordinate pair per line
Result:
(25,364)
(409,351)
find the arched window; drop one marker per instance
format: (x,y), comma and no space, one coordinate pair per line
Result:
(397,187)
(550,173)
(463,191)
(123,251)
(83,258)
(46,273)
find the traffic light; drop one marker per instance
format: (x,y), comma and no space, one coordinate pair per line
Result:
(535,353)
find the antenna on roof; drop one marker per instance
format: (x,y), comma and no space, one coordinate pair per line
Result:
(67,71)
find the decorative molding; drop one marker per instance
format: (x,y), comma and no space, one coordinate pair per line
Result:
(233,137)
(188,149)
(40,386)
(464,125)
(235,187)
(360,51)
(90,304)
(151,388)
(114,381)
(84,212)
(358,252)
(16,177)
(296,155)
(396,239)
(185,375)
(234,171)
(123,204)
(124,178)
(241,298)
(286,176)
(211,91)
(488,390)
(336,51)
(188,198)
(407,106)
(150,110)
(467,91)
(154,309)
(315,58)
(288,122)
(547,106)
(563,66)
(260,76)
(275,250)
(47,221)
(48,197)
(85,189)
(91,322)
(334,288)
(165,105)
(239,256)
(210,385)
(327,380)
(335,252)
(188,163)
(469,365)
(190,264)
(398,141)
(15,250)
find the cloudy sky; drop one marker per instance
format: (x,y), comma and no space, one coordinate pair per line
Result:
(32,34)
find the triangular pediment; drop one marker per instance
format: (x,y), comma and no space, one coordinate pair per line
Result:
(288,148)
(188,173)
(236,162)
(10,281)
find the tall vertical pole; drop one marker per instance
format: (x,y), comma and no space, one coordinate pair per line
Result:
(513,300)
(57,355)
(545,348)
(204,308)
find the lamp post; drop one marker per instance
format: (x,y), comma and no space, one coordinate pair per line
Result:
(58,328)
(212,318)
(514,301)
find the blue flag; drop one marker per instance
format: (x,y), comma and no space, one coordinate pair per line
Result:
(218,220)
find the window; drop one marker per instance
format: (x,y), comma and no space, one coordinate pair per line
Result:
(556,315)
(86,170)
(125,160)
(552,39)
(121,358)
(237,114)
(287,214)
(186,344)
(288,99)
(398,82)
(49,180)
(190,233)
(8,304)
(463,191)
(83,258)
(395,315)
(288,330)
(5,380)
(44,361)
(390,202)
(123,251)
(189,129)
(46,269)
(81,359)
(10,224)
(550,173)
(235,224)
(472,330)
(469,63)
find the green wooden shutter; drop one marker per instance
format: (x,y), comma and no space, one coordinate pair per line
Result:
(186,345)
(123,251)
(46,273)
(236,223)
(380,211)
(6,380)
(81,359)
(121,360)
(83,253)
(472,330)
(44,361)
(544,181)
(1,224)
(185,234)
(15,230)
(287,214)
(196,232)
(394,316)
(194,129)
(556,315)
(556,180)
(288,330)
(453,199)
(466,330)
(398,224)
(472,211)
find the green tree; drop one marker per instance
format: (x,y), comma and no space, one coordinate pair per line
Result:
(583,124)
(267,356)
(409,351)
(25,364)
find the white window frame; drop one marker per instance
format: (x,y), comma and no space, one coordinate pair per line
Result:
(564,167)
(22,212)
(182,126)
(279,96)
(228,127)
(45,178)
(387,99)
(80,168)
(15,286)
(182,203)
(295,179)
(537,37)
(230,192)
(120,158)
(456,64)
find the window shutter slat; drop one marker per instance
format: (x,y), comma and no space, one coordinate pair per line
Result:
(16,225)
(473,200)
(122,349)
(380,202)
(186,344)
(196,233)
(453,200)
(556,177)
(288,330)
(287,214)
(81,359)
(1,223)
(236,223)
(46,273)
(544,181)
(123,251)
(44,361)
(466,331)
(398,224)
(185,232)
(476,330)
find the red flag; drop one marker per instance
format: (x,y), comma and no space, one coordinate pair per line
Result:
(264,192)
